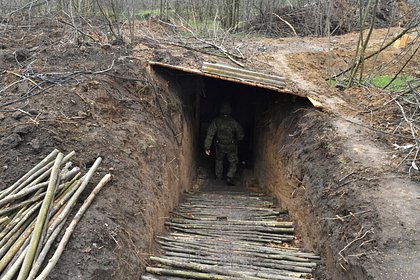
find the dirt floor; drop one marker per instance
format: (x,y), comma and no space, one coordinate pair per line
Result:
(317,163)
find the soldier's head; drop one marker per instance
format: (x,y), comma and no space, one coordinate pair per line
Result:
(225,109)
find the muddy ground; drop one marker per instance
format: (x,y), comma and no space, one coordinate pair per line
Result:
(318,163)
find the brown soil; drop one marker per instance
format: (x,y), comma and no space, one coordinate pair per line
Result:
(317,164)
(116,234)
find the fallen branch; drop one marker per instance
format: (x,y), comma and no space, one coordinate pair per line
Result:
(30,5)
(359,237)
(218,47)
(167,120)
(414,135)
(286,22)
(374,129)
(341,218)
(402,68)
(57,79)
(77,29)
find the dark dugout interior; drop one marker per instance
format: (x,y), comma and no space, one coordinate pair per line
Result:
(252,106)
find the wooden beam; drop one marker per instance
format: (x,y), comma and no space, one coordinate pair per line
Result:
(230,79)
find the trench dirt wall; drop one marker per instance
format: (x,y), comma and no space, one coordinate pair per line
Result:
(126,123)
(151,161)
(184,119)
(300,162)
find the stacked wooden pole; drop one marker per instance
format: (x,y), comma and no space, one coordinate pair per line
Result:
(34,210)
(230,235)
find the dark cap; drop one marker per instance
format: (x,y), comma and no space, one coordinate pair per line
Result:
(225,109)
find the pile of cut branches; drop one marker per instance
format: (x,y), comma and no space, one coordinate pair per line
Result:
(408,103)
(34,210)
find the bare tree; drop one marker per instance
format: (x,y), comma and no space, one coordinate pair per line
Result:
(271,17)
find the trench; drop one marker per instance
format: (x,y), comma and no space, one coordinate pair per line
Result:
(261,112)
(252,107)
(284,138)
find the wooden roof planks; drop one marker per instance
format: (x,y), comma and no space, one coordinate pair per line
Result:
(242,74)
(238,75)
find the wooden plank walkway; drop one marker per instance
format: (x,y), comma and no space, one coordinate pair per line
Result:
(230,235)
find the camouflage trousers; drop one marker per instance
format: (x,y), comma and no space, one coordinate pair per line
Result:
(231,152)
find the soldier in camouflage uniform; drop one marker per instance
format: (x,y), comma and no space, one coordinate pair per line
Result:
(228,132)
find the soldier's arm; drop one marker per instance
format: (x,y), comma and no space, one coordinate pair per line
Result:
(239,132)
(211,131)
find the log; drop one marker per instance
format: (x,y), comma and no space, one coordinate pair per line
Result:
(70,174)
(22,193)
(236,71)
(25,216)
(41,219)
(16,246)
(248,265)
(221,232)
(250,262)
(213,269)
(73,187)
(66,204)
(224,203)
(200,236)
(36,178)
(242,207)
(47,246)
(235,222)
(53,225)
(18,227)
(226,197)
(41,174)
(22,205)
(4,219)
(44,162)
(243,246)
(233,227)
(64,240)
(187,274)
(216,257)
(14,219)
(14,268)
(149,277)
(16,263)
(184,250)
(67,192)
(23,230)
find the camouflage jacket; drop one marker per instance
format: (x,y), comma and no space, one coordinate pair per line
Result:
(226,129)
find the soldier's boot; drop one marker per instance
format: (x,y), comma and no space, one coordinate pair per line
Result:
(219,168)
(229,181)
(233,162)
